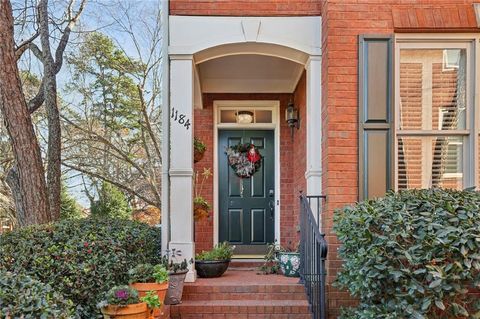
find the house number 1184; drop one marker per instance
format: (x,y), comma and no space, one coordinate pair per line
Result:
(180,118)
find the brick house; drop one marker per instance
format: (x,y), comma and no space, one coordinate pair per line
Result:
(385,94)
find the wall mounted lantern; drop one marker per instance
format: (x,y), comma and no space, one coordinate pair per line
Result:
(292,117)
(244,117)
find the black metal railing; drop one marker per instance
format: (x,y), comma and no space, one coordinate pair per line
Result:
(313,253)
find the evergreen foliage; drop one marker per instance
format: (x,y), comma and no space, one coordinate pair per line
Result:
(80,259)
(112,203)
(413,254)
(69,208)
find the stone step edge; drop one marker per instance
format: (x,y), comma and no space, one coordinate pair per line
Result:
(242,295)
(242,290)
(220,308)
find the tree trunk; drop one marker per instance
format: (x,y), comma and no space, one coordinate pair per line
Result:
(29,187)
(54,170)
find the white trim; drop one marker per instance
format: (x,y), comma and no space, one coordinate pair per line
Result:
(181,161)
(434,37)
(273,105)
(165,142)
(476,112)
(252,48)
(192,34)
(313,122)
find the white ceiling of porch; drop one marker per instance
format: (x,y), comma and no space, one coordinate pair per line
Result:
(249,74)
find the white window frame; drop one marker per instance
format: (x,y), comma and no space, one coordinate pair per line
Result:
(471,132)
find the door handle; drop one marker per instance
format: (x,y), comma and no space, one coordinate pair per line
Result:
(271,205)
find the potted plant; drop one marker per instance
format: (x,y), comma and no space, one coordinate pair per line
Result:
(121,302)
(214,263)
(271,266)
(289,260)
(199,149)
(201,207)
(153,303)
(147,277)
(177,273)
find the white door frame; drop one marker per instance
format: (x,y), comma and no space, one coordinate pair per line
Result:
(273,105)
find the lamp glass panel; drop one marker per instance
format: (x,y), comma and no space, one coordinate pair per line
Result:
(228,116)
(263,116)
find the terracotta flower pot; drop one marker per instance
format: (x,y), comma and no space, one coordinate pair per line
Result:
(133,311)
(197,155)
(175,287)
(160,290)
(200,211)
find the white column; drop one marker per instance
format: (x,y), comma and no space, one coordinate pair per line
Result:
(313,173)
(181,158)
(165,132)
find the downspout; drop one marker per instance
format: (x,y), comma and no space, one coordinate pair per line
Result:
(165,128)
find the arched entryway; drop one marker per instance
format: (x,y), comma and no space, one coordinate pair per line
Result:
(244,59)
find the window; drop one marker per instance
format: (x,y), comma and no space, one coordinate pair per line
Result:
(434,136)
(245,116)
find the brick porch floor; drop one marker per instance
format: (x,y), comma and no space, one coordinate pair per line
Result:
(243,294)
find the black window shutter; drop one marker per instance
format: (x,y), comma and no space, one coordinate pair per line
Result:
(376,113)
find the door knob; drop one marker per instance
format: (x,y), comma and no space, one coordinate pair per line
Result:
(271,193)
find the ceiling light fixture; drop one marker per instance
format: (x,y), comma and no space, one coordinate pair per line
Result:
(244,117)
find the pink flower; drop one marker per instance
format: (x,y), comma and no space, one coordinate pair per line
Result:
(122,294)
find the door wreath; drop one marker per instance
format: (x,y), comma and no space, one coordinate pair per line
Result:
(244,159)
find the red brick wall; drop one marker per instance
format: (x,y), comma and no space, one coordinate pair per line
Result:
(343,21)
(245,8)
(203,129)
(292,171)
(300,145)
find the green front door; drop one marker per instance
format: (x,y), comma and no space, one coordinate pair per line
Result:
(247,206)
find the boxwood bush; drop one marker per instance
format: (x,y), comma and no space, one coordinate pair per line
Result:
(412,254)
(80,259)
(24,297)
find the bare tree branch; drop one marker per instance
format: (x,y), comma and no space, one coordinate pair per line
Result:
(111,181)
(146,118)
(22,47)
(108,143)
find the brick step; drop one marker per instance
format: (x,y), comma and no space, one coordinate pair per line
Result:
(232,308)
(239,264)
(244,296)
(246,263)
(248,288)
(242,316)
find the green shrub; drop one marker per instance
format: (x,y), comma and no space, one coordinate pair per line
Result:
(81,259)
(24,297)
(198,145)
(223,251)
(120,296)
(148,273)
(152,301)
(413,254)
